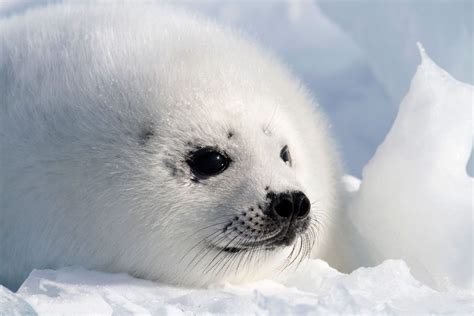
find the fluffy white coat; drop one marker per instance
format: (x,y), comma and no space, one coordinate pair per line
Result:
(81,85)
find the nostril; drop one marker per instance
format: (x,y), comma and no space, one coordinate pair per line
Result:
(284,208)
(304,206)
(289,204)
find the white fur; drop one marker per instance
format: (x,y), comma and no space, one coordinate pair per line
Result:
(78,84)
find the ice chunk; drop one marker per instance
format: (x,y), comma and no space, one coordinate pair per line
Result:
(351,184)
(11,304)
(415,200)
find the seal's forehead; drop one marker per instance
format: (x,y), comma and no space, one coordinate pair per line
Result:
(231,98)
(224,72)
(233,85)
(226,129)
(222,89)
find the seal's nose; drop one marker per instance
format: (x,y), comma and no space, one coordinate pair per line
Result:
(290,204)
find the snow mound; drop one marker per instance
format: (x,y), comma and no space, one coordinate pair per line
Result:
(314,288)
(415,200)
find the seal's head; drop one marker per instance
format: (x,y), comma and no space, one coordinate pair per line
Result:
(175,150)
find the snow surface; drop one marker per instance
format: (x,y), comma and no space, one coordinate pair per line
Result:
(314,289)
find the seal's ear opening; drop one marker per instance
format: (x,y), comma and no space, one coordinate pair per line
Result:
(207,162)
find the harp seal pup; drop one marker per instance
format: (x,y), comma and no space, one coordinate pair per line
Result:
(146,140)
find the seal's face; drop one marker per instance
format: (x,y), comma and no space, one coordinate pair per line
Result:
(281,218)
(233,186)
(236,166)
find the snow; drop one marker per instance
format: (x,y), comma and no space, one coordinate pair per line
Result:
(415,200)
(314,289)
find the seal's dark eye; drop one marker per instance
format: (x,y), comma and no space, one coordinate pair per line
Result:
(207,162)
(285,155)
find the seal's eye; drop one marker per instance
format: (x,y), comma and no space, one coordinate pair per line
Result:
(207,162)
(285,155)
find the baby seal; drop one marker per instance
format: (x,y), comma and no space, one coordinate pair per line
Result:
(145,140)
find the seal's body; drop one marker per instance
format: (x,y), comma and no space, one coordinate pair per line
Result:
(148,141)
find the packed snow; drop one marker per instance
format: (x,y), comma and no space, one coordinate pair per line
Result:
(314,289)
(415,200)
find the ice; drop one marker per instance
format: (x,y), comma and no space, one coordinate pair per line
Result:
(11,304)
(415,200)
(315,288)
(386,32)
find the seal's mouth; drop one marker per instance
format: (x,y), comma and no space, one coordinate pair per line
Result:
(235,250)
(286,237)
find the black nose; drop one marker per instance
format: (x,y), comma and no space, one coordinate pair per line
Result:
(285,205)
